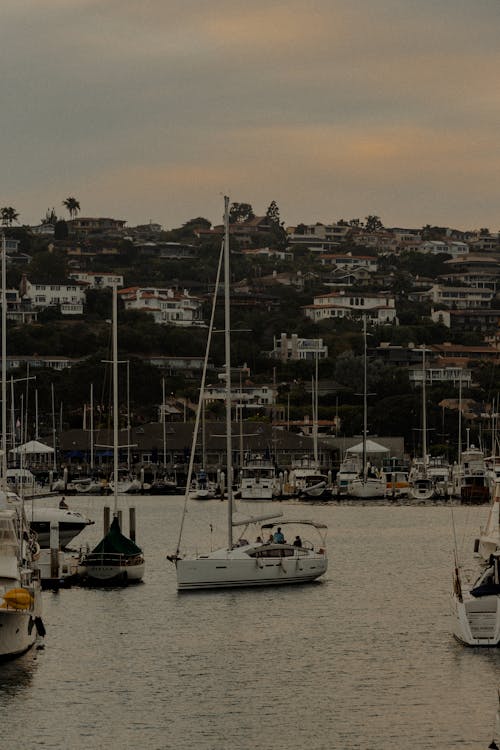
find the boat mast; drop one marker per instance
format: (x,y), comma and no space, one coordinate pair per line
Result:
(4,368)
(115,403)
(315,412)
(227,346)
(365,401)
(424,411)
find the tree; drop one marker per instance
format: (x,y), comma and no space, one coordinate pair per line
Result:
(273,213)
(72,205)
(240,212)
(373,223)
(50,217)
(278,233)
(9,215)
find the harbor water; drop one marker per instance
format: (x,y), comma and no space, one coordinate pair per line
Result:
(362,659)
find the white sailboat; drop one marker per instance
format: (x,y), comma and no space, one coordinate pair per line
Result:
(368,484)
(116,559)
(421,485)
(20,590)
(476,609)
(256,564)
(306,477)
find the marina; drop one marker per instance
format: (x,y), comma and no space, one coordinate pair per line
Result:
(370,661)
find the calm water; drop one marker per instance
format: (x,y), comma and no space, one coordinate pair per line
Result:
(363,659)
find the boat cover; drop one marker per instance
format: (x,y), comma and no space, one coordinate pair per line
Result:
(115,541)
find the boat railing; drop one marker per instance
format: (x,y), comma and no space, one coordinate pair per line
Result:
(110,558)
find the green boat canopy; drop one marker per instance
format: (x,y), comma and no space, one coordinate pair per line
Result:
(116,542)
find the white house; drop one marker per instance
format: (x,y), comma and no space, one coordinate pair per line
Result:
(295,348)
(70,297)
(453,375)
(379,309)
(167,306)
(456,297)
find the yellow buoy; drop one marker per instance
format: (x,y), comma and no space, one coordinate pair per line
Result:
(17,599)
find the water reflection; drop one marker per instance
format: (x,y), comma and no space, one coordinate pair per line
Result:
(17,674)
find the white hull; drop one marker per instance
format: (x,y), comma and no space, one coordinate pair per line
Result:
(421,491)
(112,573)
(476,621)
(369,488)
(17,632)
(224,569)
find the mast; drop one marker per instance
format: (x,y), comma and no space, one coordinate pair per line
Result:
(227,346)
(315,412)
(424,411)
(365,401)
(4,368)
(115,404)
(164,426)
(92,427)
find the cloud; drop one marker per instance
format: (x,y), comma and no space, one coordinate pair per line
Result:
(326,107)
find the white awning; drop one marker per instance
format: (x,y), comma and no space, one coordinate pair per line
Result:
(33,446)
(371,447)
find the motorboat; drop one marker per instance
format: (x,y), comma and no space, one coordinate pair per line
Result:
(469,478)
(258,479)
(20,590)
(307,480)
(70,523)
(240,563)
(203,488)
(349,469)
(476,610)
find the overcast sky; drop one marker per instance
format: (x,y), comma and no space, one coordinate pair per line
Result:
(152,109)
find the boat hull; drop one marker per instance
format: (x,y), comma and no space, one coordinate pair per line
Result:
(18,633)
(210,573)
(110,574)
(476,621)
(371,488)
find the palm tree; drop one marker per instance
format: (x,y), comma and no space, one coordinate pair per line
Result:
(72,205)
(8,215)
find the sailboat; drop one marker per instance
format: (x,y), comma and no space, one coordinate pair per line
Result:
(476,609)
(306,477)
(247,564)
(421,485)
(367,485)
(116,559)
(20,589)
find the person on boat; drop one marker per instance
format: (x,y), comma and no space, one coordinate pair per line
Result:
(63,504)
(271,538)
(297,541)
(258,540)
(278,536)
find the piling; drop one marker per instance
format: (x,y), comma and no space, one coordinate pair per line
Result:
(106,520)
(131,514)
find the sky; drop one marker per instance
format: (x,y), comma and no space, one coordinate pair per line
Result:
(155,109)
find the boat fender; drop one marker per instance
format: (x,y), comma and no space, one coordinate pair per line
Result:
(40,627)
(476,545)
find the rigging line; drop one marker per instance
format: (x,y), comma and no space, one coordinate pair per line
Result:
(200,400)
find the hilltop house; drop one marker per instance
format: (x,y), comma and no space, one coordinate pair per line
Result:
(295,348)
(69,297)
(379,308)
(167,306)
(462,297)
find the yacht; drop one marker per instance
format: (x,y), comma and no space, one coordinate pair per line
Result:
(476,610)
(307,480)
(258,479)
(489,535)
(469,480)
